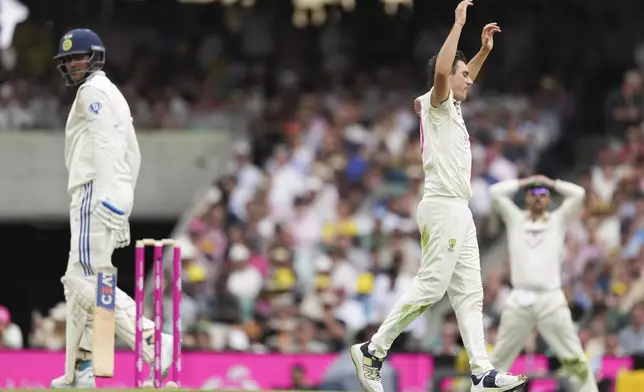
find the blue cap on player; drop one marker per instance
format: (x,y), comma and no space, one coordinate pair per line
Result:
(75,43)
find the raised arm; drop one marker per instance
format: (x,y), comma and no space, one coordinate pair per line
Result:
(502,193)
(573,197)
(446,55)
(487,43)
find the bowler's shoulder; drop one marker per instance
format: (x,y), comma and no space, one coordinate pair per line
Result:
(424,103)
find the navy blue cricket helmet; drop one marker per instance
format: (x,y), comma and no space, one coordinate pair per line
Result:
(77,43)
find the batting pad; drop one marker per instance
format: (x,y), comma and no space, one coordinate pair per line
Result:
(76,324)
(82,290)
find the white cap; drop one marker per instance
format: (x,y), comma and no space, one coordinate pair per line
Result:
(357,134)
(323,263)
(213,195)
(238,340)
(329,298)
(239,252)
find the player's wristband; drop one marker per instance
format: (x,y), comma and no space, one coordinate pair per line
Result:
(112,207)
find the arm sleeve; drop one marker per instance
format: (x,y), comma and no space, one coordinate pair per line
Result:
(103,127)
(435,114)
(501,193)
(573,197)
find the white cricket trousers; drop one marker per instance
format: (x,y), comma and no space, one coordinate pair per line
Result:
(92,244)
(548,312)
(91,248)
(450,262)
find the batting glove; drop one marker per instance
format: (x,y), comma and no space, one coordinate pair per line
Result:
(122,237)
(110,215)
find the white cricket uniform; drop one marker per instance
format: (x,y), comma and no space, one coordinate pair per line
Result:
(450,254)
(536,249)
(103,160)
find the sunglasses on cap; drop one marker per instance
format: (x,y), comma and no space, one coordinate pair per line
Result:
(539,191)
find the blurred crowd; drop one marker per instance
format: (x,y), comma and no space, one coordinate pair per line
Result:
(232,59)
(33,97)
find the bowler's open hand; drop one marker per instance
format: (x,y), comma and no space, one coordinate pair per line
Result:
(487,36)
(461,12)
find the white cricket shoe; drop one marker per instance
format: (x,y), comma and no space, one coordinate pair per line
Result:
(167,351)
(83,379)
(367,366)
(495,381)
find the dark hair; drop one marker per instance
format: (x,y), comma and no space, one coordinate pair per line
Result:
(431,65)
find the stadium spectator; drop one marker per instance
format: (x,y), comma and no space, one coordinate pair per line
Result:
(10,334)
(49,332)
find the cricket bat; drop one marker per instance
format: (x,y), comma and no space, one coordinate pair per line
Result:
(103,341)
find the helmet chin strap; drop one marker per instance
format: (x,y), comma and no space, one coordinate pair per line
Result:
(86,73)
(93,65)
(68,75)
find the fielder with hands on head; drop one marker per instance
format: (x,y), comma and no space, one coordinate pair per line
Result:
(103,159)
(450,254)
(536,241)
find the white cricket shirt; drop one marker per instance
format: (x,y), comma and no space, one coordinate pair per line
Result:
(100,143)
(445,148)
(536,247)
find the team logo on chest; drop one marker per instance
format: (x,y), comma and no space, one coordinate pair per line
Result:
(451,244)
(534,237)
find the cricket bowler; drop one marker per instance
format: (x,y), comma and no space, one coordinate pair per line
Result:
(450,254)
(536,241)
(103,160)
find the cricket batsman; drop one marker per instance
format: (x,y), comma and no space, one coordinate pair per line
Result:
(103,160)
(450,254)
(536,240)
